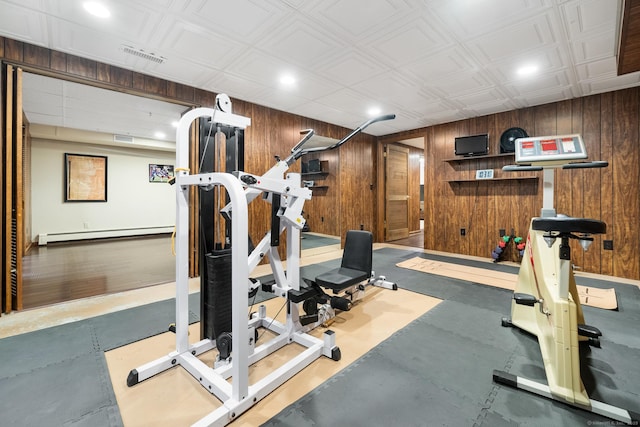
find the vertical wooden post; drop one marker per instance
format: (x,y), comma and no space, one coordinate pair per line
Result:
(17,240)
(7,192)
(194,217)
(12,190)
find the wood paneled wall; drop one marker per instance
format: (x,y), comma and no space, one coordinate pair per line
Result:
(357,185)
(609,124)
(74,68)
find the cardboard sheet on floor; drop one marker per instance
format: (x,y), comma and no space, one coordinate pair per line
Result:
(594,297)
(175,398)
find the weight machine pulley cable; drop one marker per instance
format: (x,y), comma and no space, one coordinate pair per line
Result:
(286,300)
(206,144)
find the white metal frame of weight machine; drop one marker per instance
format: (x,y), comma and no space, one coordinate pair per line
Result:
(238,395)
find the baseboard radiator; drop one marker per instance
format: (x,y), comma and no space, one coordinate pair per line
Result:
(45,238)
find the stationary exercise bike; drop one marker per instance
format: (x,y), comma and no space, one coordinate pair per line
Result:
(545,301)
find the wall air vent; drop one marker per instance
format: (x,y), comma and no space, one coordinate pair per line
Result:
(140,53)
(123,138)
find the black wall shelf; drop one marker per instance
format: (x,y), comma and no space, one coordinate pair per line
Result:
(515,178)
(470,158)
(315,173)
(318,175)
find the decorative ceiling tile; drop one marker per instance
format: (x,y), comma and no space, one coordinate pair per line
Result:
(30,27)
(516,38)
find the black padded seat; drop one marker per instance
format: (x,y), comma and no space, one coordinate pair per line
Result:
(562,224)
(341,278)
(357,260)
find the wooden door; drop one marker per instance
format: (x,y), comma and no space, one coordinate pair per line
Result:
(396,192)
(12,190)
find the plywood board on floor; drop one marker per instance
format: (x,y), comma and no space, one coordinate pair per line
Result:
(175,398)
(594,297)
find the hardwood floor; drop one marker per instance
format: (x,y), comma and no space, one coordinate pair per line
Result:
(62,272)
(415,240)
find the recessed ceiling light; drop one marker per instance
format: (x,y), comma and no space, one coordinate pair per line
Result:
(160,135)
(374,111)
(174,124)
(287,80)
(527,70)
(96,9)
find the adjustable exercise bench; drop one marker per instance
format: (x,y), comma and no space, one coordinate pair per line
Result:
(346,283)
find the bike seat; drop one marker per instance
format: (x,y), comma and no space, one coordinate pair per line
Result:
(567,224)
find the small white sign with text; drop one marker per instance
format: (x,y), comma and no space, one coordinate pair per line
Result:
(484,174)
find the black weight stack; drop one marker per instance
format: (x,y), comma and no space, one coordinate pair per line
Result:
(217,306)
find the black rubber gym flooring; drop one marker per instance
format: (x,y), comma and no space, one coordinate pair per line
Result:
(310,241)
(436,371)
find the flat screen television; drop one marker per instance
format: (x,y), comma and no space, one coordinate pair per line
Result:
(314,165)
(475,145)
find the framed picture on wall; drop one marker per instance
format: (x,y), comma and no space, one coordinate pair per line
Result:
(85,178)
(160,173)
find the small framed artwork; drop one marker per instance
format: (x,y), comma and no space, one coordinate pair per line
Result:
(85,178)
(160,173)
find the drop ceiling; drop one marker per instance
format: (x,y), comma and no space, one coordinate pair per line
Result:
(428,61)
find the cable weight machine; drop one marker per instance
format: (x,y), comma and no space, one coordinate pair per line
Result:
(287,196)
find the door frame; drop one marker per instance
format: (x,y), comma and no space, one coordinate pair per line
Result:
(379,233)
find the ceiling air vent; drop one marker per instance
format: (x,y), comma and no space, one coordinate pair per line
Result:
(144,55)
(123,138)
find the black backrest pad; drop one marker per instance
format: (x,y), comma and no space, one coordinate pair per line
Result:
(358,250)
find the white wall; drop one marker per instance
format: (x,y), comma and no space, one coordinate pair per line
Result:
(132,201)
